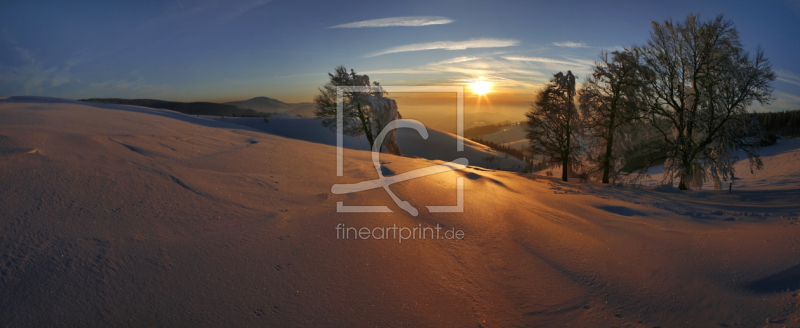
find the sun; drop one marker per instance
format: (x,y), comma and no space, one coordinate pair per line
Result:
(481,87)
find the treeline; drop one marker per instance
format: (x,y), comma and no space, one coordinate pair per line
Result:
(784,123)
(190,108)
(502,148)
(530,164)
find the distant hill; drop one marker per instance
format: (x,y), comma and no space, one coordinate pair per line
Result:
(484,130)
(191,108)
(471,120)
(266,104)
(507,135)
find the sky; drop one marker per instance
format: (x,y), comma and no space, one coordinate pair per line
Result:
(207,50)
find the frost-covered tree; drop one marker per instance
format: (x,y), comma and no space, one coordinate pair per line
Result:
(363,113)
(608,102)
(384,112)
(554,123)
(699,82)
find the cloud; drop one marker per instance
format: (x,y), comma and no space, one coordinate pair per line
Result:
(613,48)
(32,76)
(402,71)
(430,68)
(242,8)
(570,44)
(398,21)
(506,71)
(524,72)
(449,45)
(787,77)
(30,79)
(457,60)
(783,101)
(132,88)
(465,69)
(543,60)
(587,62)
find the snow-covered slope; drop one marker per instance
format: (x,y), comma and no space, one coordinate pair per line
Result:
(125,216)
(440,145)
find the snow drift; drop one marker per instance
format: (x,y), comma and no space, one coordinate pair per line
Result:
(125,216)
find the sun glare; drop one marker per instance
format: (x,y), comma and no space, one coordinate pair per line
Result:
(481,87)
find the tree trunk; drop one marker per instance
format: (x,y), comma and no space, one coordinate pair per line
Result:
(565,159)
(609,143)
(607,159)
(686,171)
(570,111)
(365,126)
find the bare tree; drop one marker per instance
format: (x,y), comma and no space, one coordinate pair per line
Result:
(554,123)
(363,113)
(699,83)
(608,102)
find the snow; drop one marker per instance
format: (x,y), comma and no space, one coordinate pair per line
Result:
(440,145)
(780,170)
(124,216)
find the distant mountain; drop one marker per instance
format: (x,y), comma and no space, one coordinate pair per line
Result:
(192,108)
(266,104)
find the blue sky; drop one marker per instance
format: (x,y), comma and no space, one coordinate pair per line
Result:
(226,50)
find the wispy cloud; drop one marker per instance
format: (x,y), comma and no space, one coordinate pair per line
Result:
(525,72)
(242,8)
(402,71)
(138,86)
(430,68)
(783,101)
(787,77)
(570,44)
(543,60)
(398,21)
(613,48)
(449,45)
(502,73)
(457,60)
(586,62)
(31,77)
